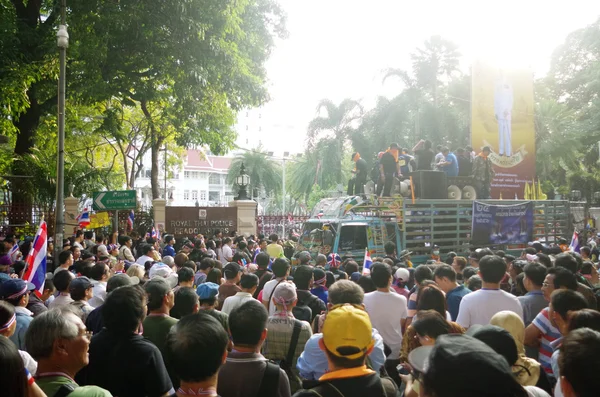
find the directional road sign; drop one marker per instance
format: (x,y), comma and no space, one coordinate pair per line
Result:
(115,200)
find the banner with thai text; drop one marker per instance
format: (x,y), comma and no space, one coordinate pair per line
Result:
(502,224)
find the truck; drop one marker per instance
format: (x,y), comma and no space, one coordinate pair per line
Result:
(351,226)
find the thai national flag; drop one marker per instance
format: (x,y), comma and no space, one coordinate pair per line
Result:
(14,253)
(320,214)
(367,263)
(84,219)
(153,232)
(574,246)
(36,260)
(130,220)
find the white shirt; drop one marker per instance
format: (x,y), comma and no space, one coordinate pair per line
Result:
(480,306)
(58,269)
(61,300)
(386,310)
(235,301)
(29,362)
(143,259)
(267,292)
(227,253)
(99,293)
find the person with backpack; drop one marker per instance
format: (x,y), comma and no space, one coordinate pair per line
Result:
(309,305)
(347,341)
(248,372)
(286,336)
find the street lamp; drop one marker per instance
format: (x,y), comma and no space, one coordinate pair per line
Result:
(242,181)
(62,42)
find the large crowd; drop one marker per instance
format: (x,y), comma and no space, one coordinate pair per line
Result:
(232,316)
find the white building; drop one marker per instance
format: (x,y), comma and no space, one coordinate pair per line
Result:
(202,181)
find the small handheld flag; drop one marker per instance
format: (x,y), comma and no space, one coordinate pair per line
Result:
(574,246)
(130,220)
(36,260)
(14,253)
(367,263)
(84,219)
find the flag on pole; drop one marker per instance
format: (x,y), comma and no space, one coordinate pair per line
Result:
(153,235)
(130,220)
(367,263)
(36,260)
(14,253)
(84,219)
(574,246)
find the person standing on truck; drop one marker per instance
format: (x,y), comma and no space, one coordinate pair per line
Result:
(465,164)
(483,173)
(356,185)
(388,169)
(449,164)
(424,154)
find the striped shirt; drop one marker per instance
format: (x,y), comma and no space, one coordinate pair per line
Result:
(549,334)
(412,303)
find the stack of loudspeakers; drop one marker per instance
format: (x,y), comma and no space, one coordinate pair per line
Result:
(430,184)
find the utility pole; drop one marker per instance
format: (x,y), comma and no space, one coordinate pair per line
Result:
(166,196)
(283,204)
(63,43)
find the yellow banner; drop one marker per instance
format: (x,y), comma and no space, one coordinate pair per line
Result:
(99,219)
(502,117)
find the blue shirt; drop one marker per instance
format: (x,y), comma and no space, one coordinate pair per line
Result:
(169,251)
(453,299)
(320,293)
(452,168)
(312,363)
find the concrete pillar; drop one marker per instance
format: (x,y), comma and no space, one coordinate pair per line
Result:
(71,214)
(246,216)
(159,206)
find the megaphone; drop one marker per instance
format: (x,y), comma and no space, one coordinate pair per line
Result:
(469,193)
(370,188)
(405,188)
(454,192)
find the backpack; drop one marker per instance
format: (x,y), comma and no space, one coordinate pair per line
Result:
(326,389)
(287,363)
(269,385)
(302,313)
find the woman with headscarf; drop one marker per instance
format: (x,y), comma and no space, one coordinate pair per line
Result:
(527,371)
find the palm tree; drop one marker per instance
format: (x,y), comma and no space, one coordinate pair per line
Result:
(264,172)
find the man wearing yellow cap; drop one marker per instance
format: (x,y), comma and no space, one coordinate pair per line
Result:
(347,340)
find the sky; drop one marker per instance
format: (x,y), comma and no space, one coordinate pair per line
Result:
(339,49)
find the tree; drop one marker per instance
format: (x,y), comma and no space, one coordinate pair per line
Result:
(264,173)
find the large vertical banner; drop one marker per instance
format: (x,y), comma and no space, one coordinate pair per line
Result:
(502,117)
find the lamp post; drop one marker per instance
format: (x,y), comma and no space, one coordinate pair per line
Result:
(63,42)
(242,180)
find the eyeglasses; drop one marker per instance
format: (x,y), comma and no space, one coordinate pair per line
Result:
(544,284)
(87,334)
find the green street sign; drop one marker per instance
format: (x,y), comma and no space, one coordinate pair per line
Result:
(115,200)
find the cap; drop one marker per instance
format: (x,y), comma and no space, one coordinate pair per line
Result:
(14,288)
(285,293)
(168,260)
(355,276)
(231,270)
(207,290)
(498,339)
(304,257)
(80,284)
(402,274)
(347,332)
(5,260)
(404,253)
(455,355)
(160,269)
(419,358)
(120,280)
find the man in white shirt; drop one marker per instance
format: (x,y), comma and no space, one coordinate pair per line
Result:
(480,306)
(147,251)
(62,280)
(249,283)
(388,310)
(99,276)
(65,261)
(227,250)
(281,269)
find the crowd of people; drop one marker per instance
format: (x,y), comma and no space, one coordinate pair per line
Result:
(232,316)
(398,162)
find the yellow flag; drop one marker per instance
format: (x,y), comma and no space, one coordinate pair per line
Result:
(526,195)
(99,219)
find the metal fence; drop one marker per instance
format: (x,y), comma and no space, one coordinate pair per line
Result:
(23,219)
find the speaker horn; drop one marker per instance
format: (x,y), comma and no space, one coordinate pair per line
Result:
(469,193)
(454,192)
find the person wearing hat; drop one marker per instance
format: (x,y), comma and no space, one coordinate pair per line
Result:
(82,290)
(401,277)
(16,292)
(347,340)
(445,278)
(94,320)
(233,274)
(158,322)
(208,293)
(483,173)
(286,336)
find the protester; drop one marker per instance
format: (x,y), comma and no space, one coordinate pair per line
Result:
(16,293)
(99,274)
(445,277)
(15,378)
(186,303)
(65,261)
(347,340)
(312,363)
(281,269)
(233,274)
(401,278)
(142,370)
(158,322)
(206,265)
(579,363)
(274,250)
(319,280)
(195,350)
(208,293)
(533,302)
(249,373)
(125,249)
(568,261)
(303,279)
(248,283)
(286,336)
(59,342)
(94,322)
(8,326)
(387,310)
(480,306)
(82,290)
